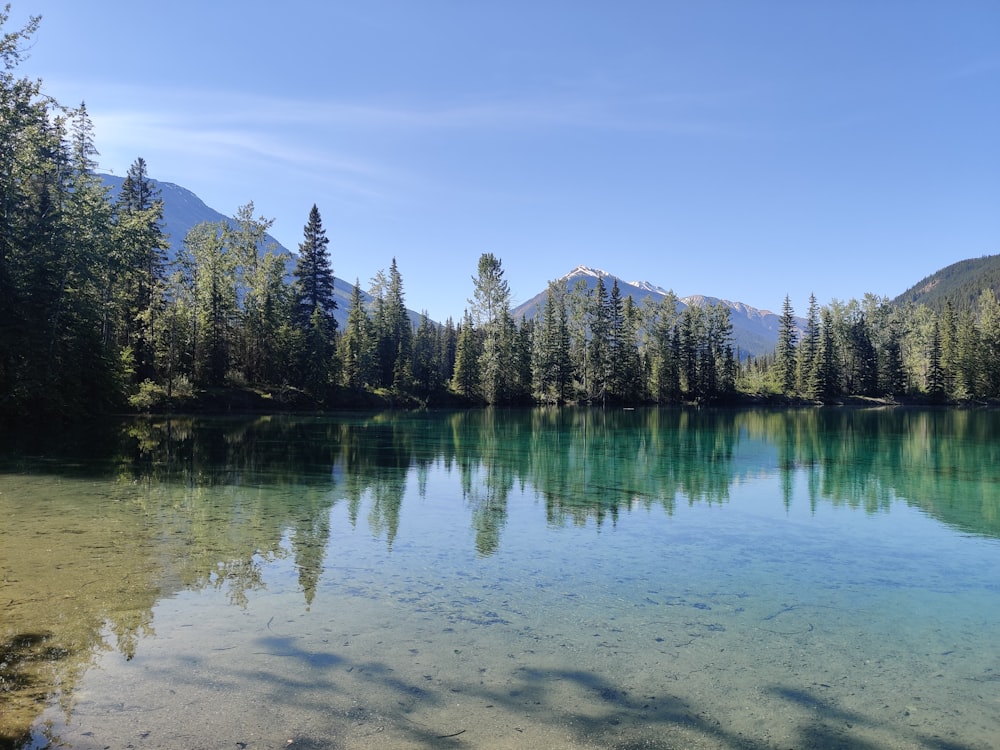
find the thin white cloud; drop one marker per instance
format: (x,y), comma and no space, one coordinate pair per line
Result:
(226,144)
(666,112)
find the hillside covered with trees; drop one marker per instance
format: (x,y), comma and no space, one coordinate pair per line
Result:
(96,319)
(959,285)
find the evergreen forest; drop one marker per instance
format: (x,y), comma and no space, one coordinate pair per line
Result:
(97,317)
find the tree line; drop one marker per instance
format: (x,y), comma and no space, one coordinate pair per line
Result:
(96,316)
(872,347)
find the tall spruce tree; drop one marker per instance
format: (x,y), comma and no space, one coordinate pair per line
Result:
(356,347)
(808,349)
(690,333)
(664,358)
(948,329)
(825,384)
(785,351)
(314,280)
(490,308)
(719,334)
(76,319)
(424,368)
(578,303)
(313,306)
(393,330)
(551,368)
(616,343)
(465,380)
(632,370)
(263,296)
(598,349)
(989,326)
(210,271)
(935,379)
(141,245)
(447,344)
(968,360)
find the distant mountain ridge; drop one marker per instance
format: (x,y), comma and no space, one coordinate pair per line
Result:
(755,332)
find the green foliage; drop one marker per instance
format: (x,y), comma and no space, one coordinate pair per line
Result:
(152,396)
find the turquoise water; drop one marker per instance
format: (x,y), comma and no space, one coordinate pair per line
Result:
(575,578)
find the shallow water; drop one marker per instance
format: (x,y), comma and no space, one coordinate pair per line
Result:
(649,578)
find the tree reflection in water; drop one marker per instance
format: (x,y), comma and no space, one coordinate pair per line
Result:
(113,521)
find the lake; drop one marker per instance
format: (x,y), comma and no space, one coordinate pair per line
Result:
(574,578)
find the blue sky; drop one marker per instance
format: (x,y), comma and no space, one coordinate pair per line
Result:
(744,150)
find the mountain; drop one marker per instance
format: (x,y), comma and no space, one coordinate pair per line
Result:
(755,332)
(182,210)
(960,283)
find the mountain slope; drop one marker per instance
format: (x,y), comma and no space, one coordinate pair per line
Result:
(960,283)
(755,332)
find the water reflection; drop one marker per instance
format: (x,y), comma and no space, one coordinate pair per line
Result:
(99,528)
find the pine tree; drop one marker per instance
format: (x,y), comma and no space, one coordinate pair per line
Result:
(312,309)
(598,350)
(490,309)
(862,374)
(785,352)
(211,273)
(892,375)
(719,333)
(393,331)
(616,344)
(76,319)
(665,370)
(825,381)
(968,362)
(524,343)
(808,350)
(263,299)
(578,304)
(401,330)
(425,371)
(447,344)
(948,329)
(884,326)
(935,374)
(314,280)
(465,381)
(690,333)
(141,260)
(356,348)
(989,326)
(551,367)
(632,374)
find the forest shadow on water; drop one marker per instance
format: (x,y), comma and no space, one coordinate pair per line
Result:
(111,531)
